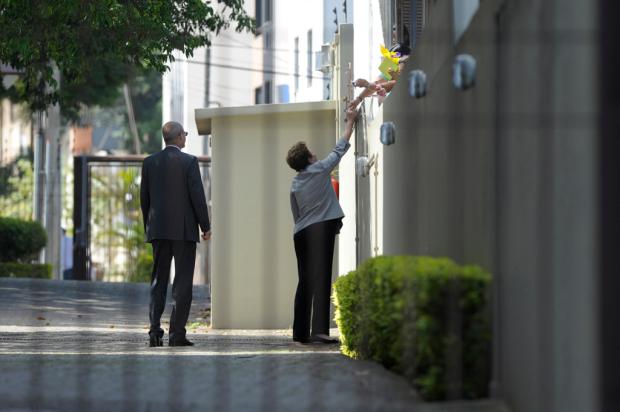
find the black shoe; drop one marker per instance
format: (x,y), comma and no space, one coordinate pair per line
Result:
(321,338)
(180,342)
(155,341)
(301,340)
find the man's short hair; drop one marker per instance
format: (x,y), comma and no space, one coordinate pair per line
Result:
(171,131)
(298,157)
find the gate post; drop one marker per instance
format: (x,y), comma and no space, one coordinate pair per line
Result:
(80,218)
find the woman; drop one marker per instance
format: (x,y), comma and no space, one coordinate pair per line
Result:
(318,218)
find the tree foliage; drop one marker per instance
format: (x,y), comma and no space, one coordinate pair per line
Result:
(16,184)
(146,95)
(94,44)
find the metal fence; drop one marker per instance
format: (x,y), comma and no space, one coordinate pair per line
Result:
(108,227)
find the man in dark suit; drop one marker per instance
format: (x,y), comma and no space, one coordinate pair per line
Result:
(173,207)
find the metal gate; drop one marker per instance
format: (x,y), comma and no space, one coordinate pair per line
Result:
(109,233)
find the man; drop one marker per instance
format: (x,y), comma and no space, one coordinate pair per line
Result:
(173,206)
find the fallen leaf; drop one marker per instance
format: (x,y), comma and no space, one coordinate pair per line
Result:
(40,318)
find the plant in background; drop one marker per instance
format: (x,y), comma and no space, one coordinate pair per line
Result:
(20,243)
(17,183)
(20,240)
(424,317)
(117,230)
(140,257)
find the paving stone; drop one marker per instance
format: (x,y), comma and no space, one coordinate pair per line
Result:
(82,346)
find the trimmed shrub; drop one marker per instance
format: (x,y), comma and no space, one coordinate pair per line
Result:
(20,240)
(26,270)
(423,317)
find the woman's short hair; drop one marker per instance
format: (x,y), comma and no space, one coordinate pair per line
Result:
(298,157)
(402,49)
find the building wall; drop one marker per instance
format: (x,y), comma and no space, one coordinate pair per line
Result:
(294,20)
(232,57)
(504,176)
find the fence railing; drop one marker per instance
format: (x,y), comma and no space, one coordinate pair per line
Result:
(108,228)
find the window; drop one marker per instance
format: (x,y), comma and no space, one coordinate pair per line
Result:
(263,13)
(417,21)
(283,95)
(464,11)
(309,60)
(296,64)
(258,95)
(268,5)
(259,13)
(267,92)
(268,65)
(403,21)
(263,94)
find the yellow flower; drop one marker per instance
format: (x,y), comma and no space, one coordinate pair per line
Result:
(393,56)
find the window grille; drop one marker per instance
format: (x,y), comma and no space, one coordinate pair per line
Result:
(403,20)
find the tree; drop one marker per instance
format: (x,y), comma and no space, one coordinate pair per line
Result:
(92,44)
(146,94)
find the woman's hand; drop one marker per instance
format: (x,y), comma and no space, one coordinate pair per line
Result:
(351,115)
(354,103)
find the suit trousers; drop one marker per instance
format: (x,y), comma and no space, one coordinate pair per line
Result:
(184,254)
(314,247)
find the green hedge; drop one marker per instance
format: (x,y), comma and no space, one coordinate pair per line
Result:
(423,317)
(20,240)
(26,270)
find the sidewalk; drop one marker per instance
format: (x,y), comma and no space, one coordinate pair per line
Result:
(83,346)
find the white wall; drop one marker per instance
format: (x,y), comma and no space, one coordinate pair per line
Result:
(254,264)
(15,131)
(368,37)
(293,19)
(241,52)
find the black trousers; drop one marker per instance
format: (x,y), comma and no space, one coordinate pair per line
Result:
(184,254)
(314,247)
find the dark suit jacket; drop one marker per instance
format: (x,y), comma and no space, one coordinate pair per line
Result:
(172,197)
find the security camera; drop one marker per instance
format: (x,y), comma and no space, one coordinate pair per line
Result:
(361,163)
(388,133)
(417,84)
(464,72)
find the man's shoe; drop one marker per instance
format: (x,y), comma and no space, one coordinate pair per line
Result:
(301,340)
(180,342)
(321,338)
(155,341)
